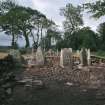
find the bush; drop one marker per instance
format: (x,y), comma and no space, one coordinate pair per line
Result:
(23,51)
(7,78)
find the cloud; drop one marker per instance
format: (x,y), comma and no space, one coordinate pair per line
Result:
(51,8)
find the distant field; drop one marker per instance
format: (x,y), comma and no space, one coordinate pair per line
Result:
(2,55)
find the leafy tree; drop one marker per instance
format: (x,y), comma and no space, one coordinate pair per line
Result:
(6,5)
(24,22)
(73,17)
(8,23)
(84,37)
(72,24)
(101,32)
(51,34)
(87,38)
(96,8)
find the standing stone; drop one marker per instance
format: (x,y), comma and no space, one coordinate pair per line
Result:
(57,53)
(61,59)
(66,58)
(33,55)
(88,57)
(32,51)
(71,50)
(39,57)
(78,53)
(83,57)
(77,59)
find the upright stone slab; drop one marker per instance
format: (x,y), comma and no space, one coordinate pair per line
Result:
(71,50)
(66,57)
(39,57)
(83,57)
(61,58)
(88,57)
(78,53)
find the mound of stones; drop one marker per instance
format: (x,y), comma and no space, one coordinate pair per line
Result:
(91,77)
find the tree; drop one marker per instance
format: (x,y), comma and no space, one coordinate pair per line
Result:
(24,22)
(73,17)
(6,5)
(8,23)
(84,37)
(101,32)
(47,40)
(96,8)
(16,25)
(72,24)
(87,38)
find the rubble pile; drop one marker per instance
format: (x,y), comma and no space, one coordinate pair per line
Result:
(92,77)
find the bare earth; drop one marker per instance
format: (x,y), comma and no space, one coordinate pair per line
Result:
(84,86)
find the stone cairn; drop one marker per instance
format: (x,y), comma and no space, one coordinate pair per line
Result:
(66,57)
(39,57)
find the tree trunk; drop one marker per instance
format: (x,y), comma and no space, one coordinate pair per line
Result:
(13,40)
(38,35)
(26,39)
(33,38)
(41,32)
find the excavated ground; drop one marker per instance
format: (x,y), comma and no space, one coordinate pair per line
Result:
(62,86)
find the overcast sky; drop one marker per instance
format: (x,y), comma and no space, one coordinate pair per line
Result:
(51,8)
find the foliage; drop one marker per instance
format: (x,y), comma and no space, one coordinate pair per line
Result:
(51,34)
(101,32)
(84,37)
(96,8)
(25,22)
(88,38)
(73,17)
(7,78)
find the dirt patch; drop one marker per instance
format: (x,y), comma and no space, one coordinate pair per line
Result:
(3,55)
(63,86)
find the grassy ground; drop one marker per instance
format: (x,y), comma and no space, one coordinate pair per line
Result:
(99,53)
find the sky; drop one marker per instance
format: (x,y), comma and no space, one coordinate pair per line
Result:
(51,8)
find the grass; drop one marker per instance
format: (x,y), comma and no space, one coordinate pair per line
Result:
(99,53)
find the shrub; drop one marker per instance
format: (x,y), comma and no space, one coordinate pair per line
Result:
(7,78)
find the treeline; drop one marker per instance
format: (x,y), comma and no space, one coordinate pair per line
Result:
(76,35)
(19,21)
